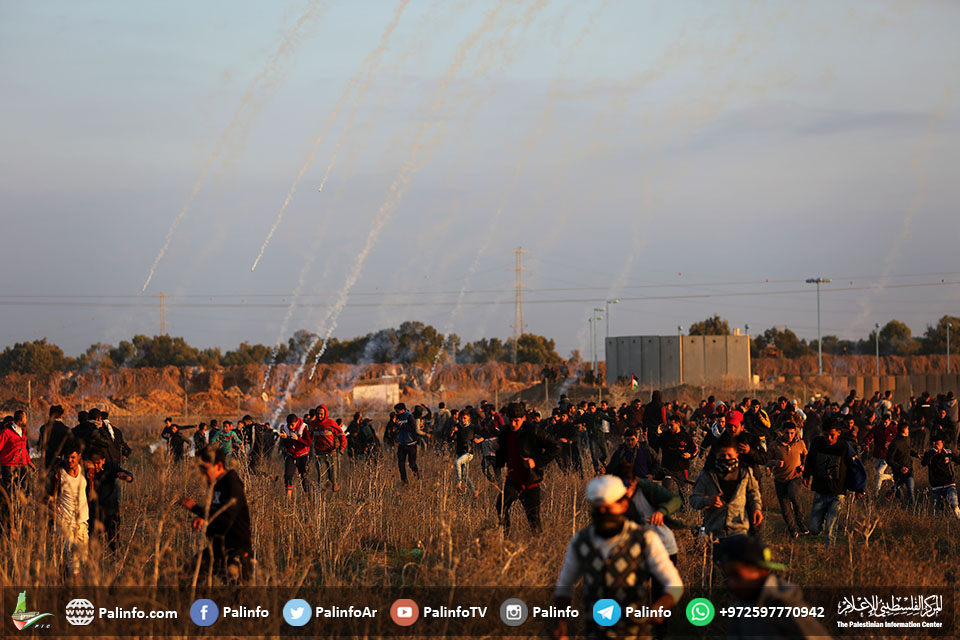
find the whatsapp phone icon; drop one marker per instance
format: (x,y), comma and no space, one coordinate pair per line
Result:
(700,612)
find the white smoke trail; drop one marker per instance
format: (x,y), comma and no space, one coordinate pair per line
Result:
(371,62)
(397,190)
(919,161)
(268,77)
(367,71)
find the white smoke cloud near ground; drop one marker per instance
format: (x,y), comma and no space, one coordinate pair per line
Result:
(250,105)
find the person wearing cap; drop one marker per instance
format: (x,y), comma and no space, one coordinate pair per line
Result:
(831,469)
(525,450)
(727,492)
(939,464)
(615,557)
(748,568)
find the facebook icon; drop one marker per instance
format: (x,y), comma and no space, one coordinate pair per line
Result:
(204,612)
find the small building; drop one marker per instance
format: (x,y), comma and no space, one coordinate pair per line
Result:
(384,390)
(669,361)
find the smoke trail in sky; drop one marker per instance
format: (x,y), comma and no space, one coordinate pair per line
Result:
(919,161)
(397,190)
(366,70)
(267,78)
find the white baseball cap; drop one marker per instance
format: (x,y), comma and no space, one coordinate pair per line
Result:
(605,490)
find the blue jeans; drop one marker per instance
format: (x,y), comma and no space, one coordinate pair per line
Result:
(945,494)
(825,513)
(788,494)
(462,465)
(908,483)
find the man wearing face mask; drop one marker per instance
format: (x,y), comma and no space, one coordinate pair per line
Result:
(727,493)
(615,557)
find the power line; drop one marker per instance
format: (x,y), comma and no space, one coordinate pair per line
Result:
(451,303)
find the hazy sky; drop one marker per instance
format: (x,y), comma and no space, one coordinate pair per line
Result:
(637,150)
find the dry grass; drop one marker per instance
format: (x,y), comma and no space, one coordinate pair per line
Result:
(376,532)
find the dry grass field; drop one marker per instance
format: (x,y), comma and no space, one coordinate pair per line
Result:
(377,532)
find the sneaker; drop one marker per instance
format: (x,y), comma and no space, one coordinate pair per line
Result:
(795,534)
(805,531)
(956,512)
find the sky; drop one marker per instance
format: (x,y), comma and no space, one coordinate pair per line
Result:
(684,158)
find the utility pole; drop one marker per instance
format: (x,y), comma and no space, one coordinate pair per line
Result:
(876,328)
(596,352)
(818,281)
(680,349)
(948,347)
(163,314)
(518,325)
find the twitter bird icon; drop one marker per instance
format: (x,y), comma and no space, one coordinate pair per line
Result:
(296,612)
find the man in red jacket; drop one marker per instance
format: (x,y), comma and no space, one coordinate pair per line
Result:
(14,461)
(881,436)
(329,443)
(295,438)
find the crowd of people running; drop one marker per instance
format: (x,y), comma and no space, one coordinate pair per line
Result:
(641,457)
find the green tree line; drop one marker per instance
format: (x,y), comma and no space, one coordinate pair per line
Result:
(411,342)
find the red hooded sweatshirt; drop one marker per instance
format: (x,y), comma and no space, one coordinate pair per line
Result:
(13,448)
(327,435)
(298,445)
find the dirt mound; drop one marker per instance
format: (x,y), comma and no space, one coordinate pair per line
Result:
(249,389)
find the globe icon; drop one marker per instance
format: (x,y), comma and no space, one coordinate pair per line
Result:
(80,612)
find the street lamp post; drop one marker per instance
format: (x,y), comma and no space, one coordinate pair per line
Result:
(876,328)
(596,352)
(680,350)
(607,308)
(818,281)
(948,347)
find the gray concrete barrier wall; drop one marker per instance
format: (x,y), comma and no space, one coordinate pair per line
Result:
(666,361)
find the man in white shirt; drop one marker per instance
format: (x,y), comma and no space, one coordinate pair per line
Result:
(616,557)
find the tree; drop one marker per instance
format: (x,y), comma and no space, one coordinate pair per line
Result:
(246,354)
(38,357)
(834,346)
(896,339)
(537,350)
(784,341)
(934,339)
(715,326)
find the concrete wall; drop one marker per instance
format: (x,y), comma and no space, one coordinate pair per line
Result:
(666,361)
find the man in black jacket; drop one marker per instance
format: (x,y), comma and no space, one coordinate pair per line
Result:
(827,469)
(53,435)
(229,553)
(899,456)
(117,448)
(525,450)
(939,462)
(676,450)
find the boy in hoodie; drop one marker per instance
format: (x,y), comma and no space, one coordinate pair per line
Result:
(939,462)
(462,435)
(828,470)
(525,450)
(727,493)
(295,438)
(785,459)
(748,571)
(329,443)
